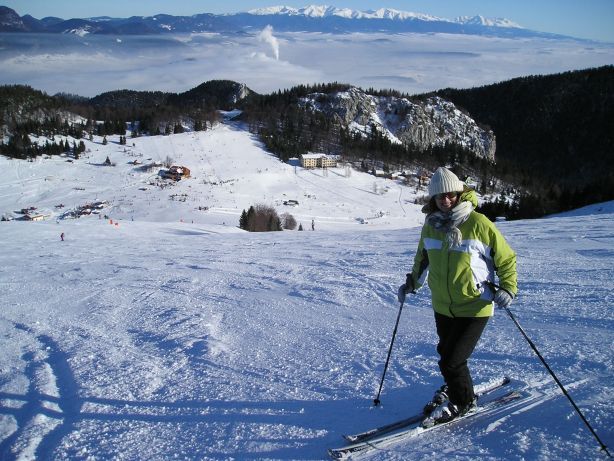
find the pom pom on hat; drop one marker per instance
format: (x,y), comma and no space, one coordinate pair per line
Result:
(444,181)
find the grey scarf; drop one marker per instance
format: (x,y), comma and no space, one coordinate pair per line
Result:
(449,222)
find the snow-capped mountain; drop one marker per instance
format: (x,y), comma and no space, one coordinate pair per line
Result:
(313,18)
(319,11)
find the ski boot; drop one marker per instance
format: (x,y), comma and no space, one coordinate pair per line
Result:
(441,395)
(449,411)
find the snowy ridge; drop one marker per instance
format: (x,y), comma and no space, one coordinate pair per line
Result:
(323,11)
(490,22)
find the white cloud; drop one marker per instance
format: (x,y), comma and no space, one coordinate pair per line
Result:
(266,35)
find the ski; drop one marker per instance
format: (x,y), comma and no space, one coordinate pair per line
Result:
(415,429)
(417,418)
(376,432)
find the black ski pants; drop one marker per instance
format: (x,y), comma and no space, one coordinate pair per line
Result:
(458,337)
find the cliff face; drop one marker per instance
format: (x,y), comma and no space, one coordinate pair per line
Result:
(432,122)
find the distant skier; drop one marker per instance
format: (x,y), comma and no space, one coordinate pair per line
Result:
(460,250)
(62,236)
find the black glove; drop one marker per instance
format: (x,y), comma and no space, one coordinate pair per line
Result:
(407,287)
(503,298)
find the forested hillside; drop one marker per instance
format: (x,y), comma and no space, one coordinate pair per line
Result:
(320,118)
(555,134)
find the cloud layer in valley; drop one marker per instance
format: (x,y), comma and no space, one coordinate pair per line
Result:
(267,61)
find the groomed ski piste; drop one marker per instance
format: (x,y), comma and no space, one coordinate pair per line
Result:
(172,334)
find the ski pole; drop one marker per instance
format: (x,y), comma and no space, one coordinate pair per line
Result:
(376,401)
(509,313)
(603,446)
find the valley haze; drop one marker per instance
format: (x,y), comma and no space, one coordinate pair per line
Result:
(89,64)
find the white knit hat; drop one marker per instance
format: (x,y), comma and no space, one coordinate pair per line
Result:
(444,181)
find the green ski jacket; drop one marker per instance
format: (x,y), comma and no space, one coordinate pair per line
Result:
(457,276)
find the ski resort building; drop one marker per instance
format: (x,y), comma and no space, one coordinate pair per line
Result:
(176,172)
(318,160)
(35,217)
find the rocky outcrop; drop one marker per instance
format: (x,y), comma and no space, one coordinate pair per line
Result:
(10,21)
(434,121)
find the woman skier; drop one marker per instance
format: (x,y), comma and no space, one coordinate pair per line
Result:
(460,250)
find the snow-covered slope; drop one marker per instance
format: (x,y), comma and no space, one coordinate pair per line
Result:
(229,172)
(159,339)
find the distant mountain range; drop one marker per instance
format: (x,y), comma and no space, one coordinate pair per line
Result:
(312,18)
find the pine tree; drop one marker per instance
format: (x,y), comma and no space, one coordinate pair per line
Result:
(251,219)
(243,220)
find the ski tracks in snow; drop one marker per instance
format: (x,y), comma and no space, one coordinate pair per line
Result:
(47,412)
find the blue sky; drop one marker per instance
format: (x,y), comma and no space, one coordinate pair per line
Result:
(593,19)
